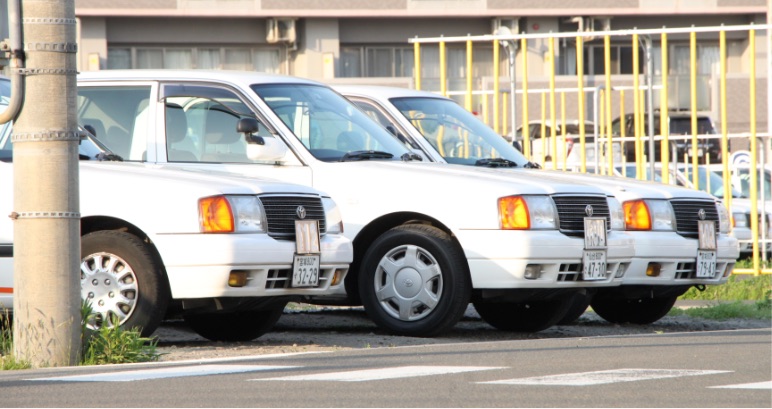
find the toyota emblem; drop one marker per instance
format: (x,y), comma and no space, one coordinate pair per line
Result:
(588,210)
(701,214)
(301,212)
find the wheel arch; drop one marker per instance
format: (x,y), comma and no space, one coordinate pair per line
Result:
(92,224)
(376,228)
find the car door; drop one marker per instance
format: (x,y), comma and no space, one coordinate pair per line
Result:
(6,224)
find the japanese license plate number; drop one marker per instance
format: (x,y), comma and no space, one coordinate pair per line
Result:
(305,271)
(594,265)
(706,264)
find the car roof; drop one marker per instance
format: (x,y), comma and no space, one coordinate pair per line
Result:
(245,78)
(382,91)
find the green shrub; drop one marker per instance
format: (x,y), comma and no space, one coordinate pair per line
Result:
(728,310)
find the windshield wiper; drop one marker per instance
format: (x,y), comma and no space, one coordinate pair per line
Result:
(365,155)
(496,163)
(410,156)
(532,165)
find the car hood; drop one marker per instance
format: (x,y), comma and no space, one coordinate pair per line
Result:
(203,182)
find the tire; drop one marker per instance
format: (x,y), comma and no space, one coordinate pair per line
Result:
(532,316)
(234,326)
(635,311)
(414,281)
(122,280)
(577,306)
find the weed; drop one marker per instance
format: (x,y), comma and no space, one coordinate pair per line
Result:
(754,288)
(728,310)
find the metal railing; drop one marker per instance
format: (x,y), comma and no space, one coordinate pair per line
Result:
(643,103)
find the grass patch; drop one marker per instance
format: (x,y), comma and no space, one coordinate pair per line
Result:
(106,345)
(728,310)
(748,263)
(737,288)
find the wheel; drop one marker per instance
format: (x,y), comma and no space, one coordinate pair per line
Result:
(636,311)
(414,281)
(577,306)
(123,281)
(234,326)
(531,316)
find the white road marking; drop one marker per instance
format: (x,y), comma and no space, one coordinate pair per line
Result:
(381,373)
(604,377)
(756,385)
(177,371)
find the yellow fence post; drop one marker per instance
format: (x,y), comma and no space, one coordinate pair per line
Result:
(496,76)
(543,128)
(553,124)
(417,64)
(622,134)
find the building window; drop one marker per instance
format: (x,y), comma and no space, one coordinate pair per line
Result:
(380,61)
(223,58)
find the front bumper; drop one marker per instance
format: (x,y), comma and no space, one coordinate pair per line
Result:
(676,256)
(498,258)
(199,265)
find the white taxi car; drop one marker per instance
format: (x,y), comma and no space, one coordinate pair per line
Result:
(227,252)
(681,235)
(428,238)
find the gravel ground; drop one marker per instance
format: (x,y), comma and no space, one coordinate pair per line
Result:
(307,328)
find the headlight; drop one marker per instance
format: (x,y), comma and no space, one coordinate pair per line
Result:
(332,214)
(229,214)
(739,219)
(617,214)
(724,224)
(649,215)
(527,212)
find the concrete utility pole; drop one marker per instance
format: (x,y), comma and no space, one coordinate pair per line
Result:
(46,300)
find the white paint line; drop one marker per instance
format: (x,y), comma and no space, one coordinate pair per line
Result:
(172,372)
(756,385)
(604,377)
(381,373)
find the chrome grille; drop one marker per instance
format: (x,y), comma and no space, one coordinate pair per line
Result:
(281,213)
(571,212)
(686,215)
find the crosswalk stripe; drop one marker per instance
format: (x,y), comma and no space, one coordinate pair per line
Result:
(381,373)
(755,385)
(603,377)
(177,371)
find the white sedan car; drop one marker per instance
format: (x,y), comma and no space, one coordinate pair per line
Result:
(222,250)
(681,235)
(428,238)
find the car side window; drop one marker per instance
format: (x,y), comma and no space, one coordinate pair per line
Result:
(118,115)
(203,128)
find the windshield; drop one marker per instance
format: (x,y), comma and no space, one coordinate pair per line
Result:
(328,125)
(5,89)
(709,181)
(456,134)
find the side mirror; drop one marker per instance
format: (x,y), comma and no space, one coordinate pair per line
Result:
(271,149)
(249,127)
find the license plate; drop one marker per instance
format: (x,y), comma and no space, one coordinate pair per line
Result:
(593,265)
(305,265)
(706,264)
(594,254)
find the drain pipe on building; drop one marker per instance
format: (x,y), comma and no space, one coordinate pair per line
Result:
(14,47)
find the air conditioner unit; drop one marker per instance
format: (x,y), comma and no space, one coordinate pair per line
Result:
(279,30)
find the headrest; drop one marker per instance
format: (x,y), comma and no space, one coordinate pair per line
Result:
(221,127)
(176,123)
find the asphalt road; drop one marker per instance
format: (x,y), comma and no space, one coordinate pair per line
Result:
(698,369)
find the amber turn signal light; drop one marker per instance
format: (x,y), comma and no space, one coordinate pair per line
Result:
(637,215)
(215,215)
(513,213)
